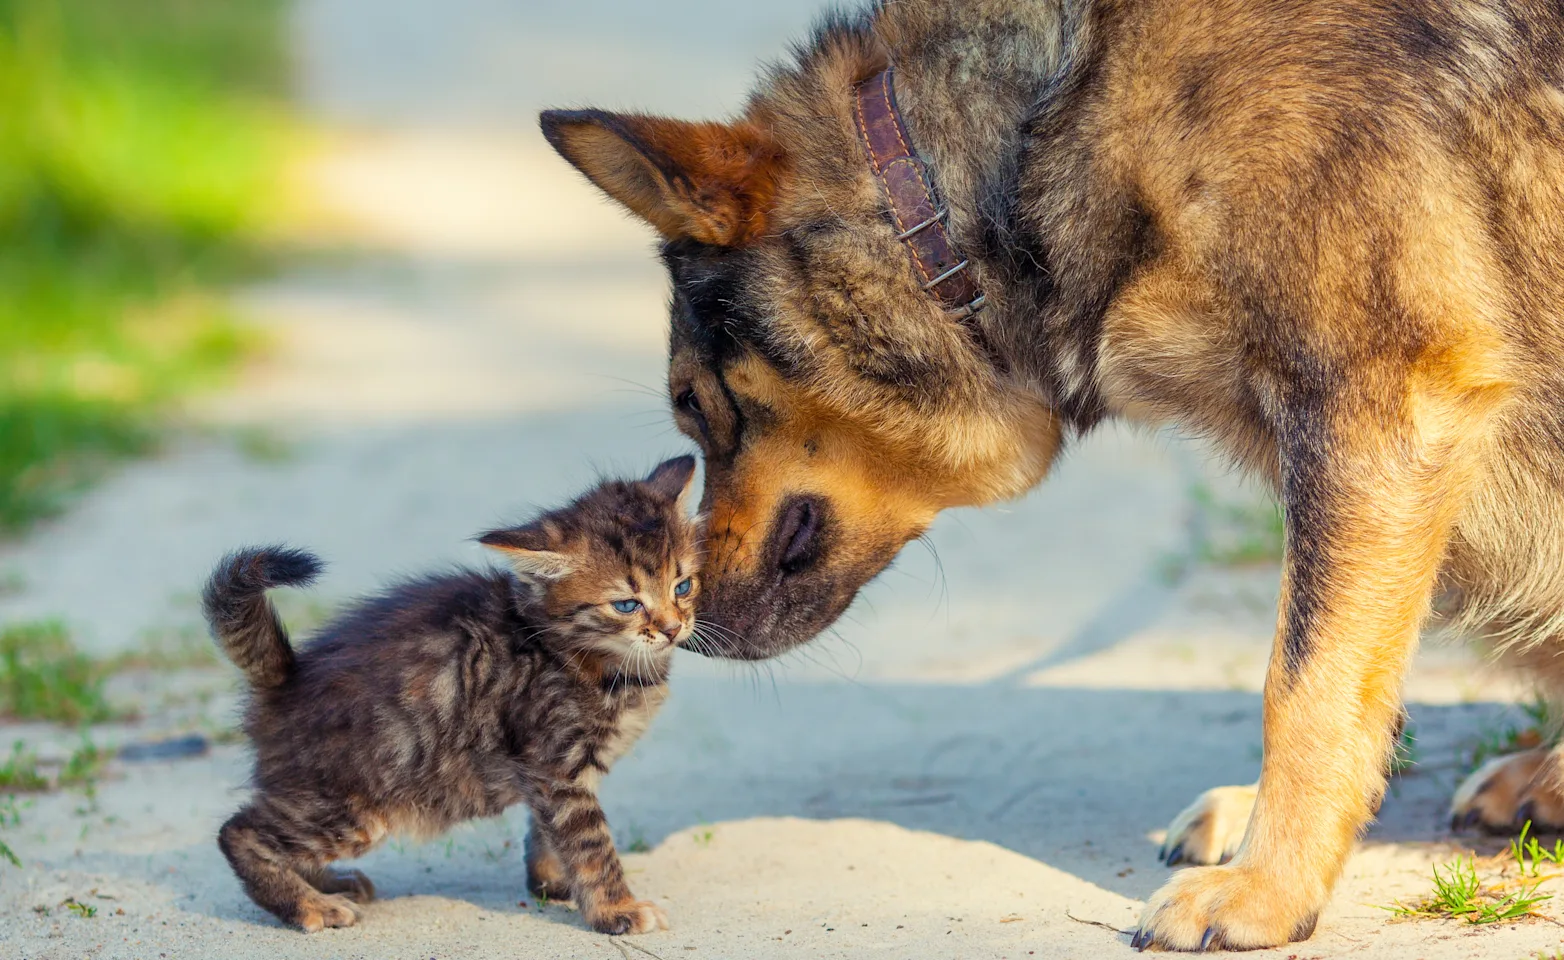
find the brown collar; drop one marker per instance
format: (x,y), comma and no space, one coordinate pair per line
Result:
(909,186)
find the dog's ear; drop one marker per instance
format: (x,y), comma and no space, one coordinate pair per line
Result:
(711,182)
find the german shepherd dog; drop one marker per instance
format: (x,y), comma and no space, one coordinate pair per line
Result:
(1327,235)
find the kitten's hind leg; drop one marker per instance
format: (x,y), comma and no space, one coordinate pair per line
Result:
(273,878)
(546,876)
(352,884)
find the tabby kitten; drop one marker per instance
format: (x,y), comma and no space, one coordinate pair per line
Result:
(458,695)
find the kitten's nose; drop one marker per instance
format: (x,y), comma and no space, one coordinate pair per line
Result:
(670,629)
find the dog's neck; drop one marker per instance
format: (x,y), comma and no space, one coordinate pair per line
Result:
(972,99)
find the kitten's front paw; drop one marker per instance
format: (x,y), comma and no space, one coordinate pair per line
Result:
(630,916)
(316,913)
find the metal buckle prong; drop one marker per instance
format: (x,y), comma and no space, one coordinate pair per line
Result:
(946,275)
(911,232)
(969,309)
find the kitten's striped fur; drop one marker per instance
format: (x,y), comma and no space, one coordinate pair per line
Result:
(457,696)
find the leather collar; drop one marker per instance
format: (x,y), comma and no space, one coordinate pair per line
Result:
(908,184)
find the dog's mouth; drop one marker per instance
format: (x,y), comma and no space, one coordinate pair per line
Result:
(793,588)
(746,620)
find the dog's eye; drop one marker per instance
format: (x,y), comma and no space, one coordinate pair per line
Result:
(683,587)
(690,405)
(689,402)
(627,606)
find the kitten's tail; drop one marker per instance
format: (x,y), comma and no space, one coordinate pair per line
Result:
(244,623)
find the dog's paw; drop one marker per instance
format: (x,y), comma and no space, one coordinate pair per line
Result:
(1209,830)
(629,916)
(329,910)
(1504,793)
(1224,908)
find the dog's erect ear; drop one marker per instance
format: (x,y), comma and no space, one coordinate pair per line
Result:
(712,182)
(532,549)
(674,479)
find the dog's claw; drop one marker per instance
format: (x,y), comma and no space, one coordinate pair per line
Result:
(1205,940)
(1142,939)
(1524,812)
(1162,854)
(1175,856)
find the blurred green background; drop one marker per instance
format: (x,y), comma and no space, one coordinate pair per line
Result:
(142,144)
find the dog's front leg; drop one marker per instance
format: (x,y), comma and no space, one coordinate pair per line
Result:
(1371,489)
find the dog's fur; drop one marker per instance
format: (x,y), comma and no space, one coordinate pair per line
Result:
(1328,235)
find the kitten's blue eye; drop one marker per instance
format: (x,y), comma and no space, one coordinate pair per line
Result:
(627,606)
(683,587)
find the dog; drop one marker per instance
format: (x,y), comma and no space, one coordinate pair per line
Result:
(947,238)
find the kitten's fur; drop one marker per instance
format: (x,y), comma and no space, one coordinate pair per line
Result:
(456,696)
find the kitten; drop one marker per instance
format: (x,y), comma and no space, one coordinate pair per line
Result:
(459,695)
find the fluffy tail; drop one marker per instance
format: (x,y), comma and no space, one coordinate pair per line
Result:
(244,623)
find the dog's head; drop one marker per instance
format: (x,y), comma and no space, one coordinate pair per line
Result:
(839,407)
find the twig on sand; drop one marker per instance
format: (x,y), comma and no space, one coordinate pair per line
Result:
(1098,923)
(623,946)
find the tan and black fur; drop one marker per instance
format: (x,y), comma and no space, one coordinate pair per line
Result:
(457,696)
(1326,235)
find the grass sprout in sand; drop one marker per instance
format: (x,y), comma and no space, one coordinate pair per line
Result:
(1460,893)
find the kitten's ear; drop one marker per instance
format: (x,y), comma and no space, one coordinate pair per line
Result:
(674,479)
(530,549)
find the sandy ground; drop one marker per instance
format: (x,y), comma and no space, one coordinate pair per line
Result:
(978,762)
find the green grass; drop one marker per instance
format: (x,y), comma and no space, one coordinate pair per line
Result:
(10,817)
(635,841)
(1508,737)
(1460,894)
(1531,856)
(20,773)
(140,143)
(44,677)
(186,647)
(1237,534)
(1406,755)
(84,766)
(1225,534)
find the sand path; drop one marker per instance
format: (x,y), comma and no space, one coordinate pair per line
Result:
(977,764)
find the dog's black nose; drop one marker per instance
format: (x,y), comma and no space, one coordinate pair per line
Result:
(797,536)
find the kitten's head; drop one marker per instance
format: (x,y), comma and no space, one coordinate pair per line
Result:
(616,570)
